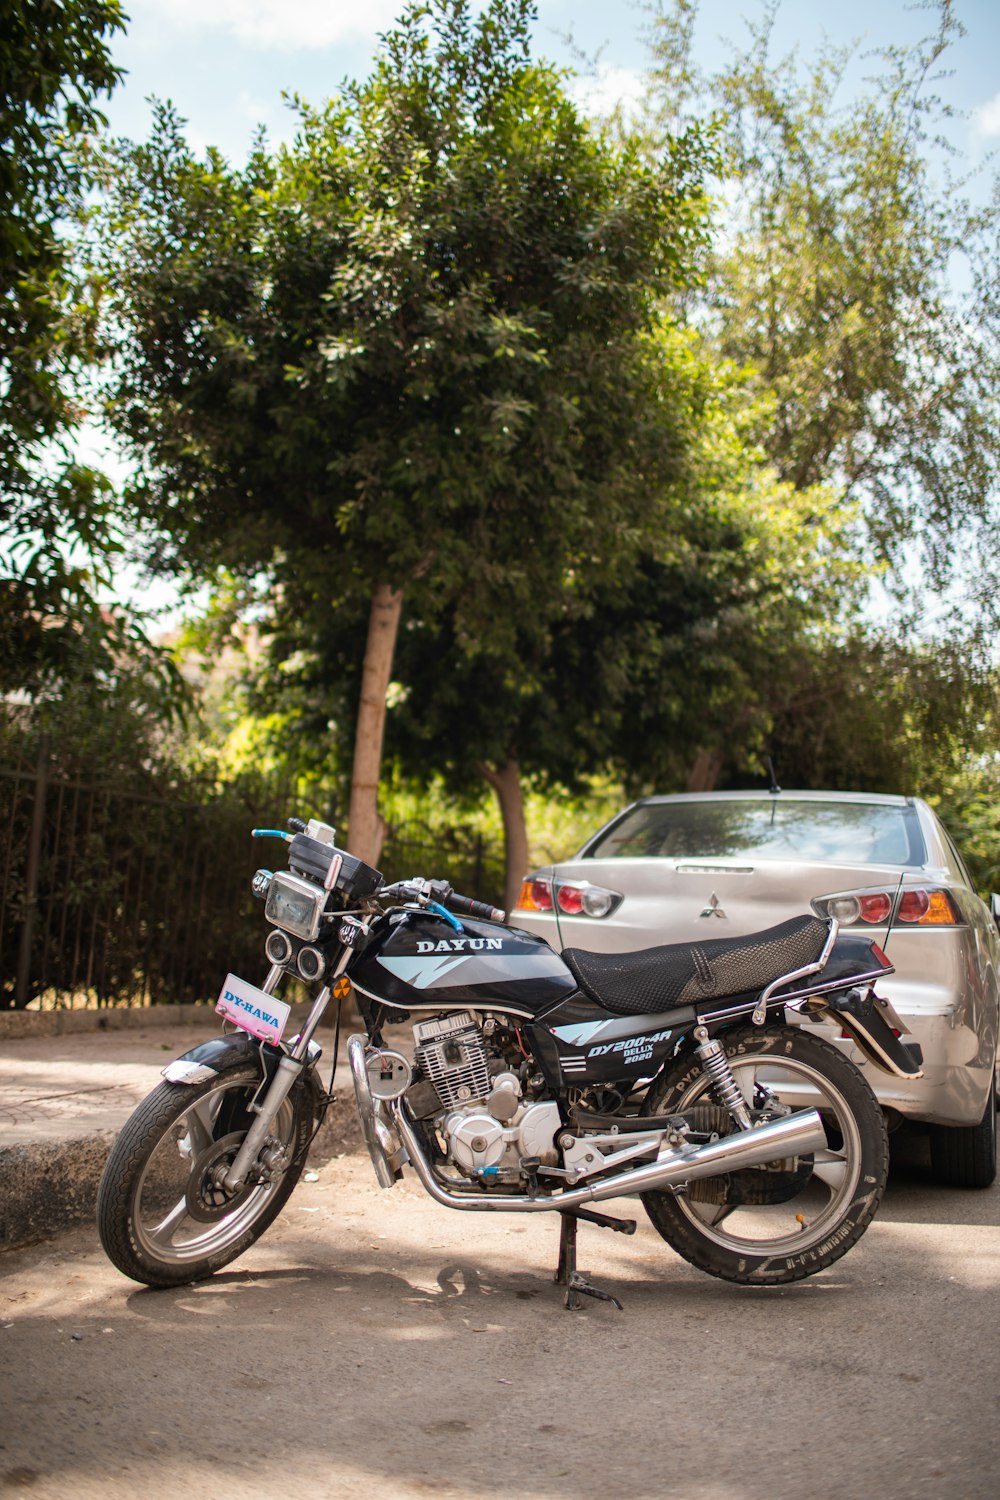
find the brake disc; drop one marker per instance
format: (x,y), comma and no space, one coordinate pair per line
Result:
(207,1200)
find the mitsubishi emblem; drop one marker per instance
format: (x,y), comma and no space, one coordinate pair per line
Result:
(713,909)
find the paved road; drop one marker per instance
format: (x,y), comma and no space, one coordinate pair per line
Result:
(377,1346)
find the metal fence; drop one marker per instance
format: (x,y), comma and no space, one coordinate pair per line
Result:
(462,856)
(111,895)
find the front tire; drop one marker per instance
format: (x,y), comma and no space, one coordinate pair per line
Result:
(161,1215)
(793,1218)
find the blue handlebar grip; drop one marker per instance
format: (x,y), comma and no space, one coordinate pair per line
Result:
(271,833)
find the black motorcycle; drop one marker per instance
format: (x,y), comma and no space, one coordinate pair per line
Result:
(539,1082)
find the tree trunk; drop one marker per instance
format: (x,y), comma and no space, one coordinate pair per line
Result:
(507,785)
(705,771)
(365,824)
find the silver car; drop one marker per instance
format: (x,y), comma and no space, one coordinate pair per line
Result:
(724,864)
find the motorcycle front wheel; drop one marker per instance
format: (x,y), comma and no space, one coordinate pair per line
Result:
(790,1218)
(162,1215)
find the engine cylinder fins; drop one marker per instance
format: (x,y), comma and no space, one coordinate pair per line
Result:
(457,1065)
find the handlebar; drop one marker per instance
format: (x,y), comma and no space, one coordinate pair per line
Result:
(430,892)
(472,908)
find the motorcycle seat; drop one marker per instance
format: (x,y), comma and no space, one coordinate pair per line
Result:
(657,979)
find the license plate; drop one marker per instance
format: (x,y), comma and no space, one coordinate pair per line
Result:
(251,1009)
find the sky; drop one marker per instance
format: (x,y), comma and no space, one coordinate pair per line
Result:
(226,64)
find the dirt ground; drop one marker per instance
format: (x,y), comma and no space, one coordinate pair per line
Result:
(375,1345)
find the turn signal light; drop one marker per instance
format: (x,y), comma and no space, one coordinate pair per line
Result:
(536,895)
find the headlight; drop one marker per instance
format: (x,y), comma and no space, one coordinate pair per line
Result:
(295,904)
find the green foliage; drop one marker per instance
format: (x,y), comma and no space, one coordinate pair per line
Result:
(404,343)
(878,713)
(969,803)
(630,669)
(641,665)
(842,238)
(55,523)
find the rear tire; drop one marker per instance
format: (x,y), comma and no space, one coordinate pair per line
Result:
(161,1216)
(965,1156)
(787,1221)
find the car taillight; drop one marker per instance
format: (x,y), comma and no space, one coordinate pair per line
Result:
(586,900)
(875,908)
(917,907)
(536,895)
(927,909)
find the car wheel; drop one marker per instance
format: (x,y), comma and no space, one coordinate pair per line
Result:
(966,1155)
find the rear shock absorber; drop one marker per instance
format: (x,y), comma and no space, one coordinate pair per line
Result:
(720,1075)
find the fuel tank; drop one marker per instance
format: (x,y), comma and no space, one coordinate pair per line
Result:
(415,960)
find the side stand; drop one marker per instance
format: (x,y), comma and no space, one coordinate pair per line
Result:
(567,1275)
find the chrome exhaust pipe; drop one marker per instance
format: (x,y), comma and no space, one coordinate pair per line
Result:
(795,1135)
(373,1127)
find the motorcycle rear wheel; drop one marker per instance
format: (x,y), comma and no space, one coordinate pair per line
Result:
(162,1218)
(793,1218)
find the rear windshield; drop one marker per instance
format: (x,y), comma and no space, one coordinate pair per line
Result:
(830,832)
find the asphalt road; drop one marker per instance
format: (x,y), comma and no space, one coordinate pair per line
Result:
(377,1346)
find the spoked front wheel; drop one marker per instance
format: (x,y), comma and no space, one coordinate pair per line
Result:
(793,1217)
(163,1212)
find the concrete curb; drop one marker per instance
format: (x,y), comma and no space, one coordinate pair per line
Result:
(49,1186)
(15,1024)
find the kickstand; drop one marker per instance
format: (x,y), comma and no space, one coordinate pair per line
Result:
(567,1275)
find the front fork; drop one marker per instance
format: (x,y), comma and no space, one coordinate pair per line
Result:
(287,1073)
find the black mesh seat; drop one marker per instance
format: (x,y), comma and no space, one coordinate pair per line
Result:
(657,979)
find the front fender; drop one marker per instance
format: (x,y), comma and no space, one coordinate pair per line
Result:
(231,1050)
(218,1055)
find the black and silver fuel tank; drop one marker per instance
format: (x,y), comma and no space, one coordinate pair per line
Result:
(415,960)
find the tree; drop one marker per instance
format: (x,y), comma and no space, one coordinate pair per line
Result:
(631,674)
(55,63)
(401,361)
(869,710)
(854,278)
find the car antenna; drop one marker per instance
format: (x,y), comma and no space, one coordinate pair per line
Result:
(893,909)
(774,788)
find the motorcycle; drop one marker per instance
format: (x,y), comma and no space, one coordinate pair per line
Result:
(539,1082)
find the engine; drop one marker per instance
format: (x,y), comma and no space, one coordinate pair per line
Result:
(477,1106)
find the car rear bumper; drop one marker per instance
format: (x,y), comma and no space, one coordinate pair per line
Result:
(957,1076)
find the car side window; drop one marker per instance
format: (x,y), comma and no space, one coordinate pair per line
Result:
(956,861)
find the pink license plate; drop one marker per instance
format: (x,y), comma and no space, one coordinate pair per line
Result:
(252,1009)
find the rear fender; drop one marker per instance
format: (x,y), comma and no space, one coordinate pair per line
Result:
(866,1019)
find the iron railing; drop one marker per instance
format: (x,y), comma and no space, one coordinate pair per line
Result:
(111,895)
